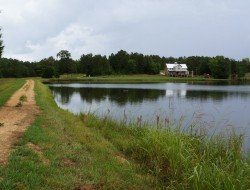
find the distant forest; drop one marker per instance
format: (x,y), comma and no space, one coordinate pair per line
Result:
(119,63)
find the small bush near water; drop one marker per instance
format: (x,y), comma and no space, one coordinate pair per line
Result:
(180,160)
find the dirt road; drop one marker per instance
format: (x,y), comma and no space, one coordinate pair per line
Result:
(15,116)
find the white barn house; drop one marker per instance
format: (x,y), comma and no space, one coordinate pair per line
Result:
(176,69)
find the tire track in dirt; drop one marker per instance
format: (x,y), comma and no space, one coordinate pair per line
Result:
(15,117)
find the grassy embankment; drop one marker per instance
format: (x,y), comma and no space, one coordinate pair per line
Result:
(180,160)
(59,152)
(8,87)
(128,79)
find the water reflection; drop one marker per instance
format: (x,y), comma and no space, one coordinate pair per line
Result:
(118,96)
(178,93)
(121,96)
(215,95)
(204,105)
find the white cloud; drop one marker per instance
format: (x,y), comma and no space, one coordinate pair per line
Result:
(76,38)
(34,29)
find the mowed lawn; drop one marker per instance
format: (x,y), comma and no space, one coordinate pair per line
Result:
(8,87)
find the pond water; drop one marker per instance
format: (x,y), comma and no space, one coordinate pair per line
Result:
(215,107)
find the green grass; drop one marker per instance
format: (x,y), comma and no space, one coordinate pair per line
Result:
(68,155)
(23,98)
(8,87)
(247,76)
(127,79)
(180,160)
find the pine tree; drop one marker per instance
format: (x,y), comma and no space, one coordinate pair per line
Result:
(1,44)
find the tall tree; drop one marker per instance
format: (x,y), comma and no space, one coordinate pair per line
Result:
(64,54)
(86,64)
(119,61)
(1,44)
(66,64)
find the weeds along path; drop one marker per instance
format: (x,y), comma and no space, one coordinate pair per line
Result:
(15,116)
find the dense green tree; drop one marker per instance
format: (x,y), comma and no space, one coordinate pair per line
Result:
(16,68)
(233,67)
(85,64)
(100,65)
(157,59)
(199,65)
(246,62)
(151,67)
(203,67)
(131,67)
(119,61)
(49,67)
(241,69)
(94,65)
(220,67)
(140,62)
(64,54)
(66,64)
(48,72)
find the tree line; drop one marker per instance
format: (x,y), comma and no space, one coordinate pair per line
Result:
(121,62)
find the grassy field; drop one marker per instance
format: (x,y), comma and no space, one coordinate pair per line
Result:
(64,151)
(8,87)
(127,79)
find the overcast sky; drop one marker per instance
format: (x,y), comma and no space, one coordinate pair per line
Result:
(35,29)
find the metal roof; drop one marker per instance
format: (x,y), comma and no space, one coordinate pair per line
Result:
(172,65)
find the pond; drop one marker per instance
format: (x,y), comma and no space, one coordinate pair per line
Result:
(214,107)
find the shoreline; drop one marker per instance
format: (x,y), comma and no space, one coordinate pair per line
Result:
(137,79)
